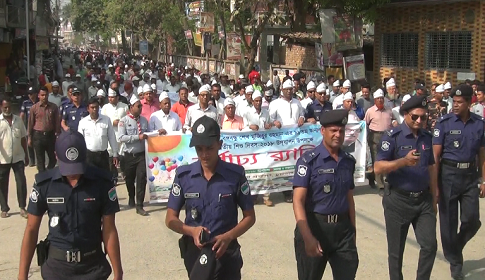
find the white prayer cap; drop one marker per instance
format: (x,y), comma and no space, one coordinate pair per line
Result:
(78,75)
(390,83)
(378,93)
(154,87)
(111,93)
(268,93)
(288,84)
(172,65)
(68,75)
(440,88)
(101,93)
(241,76)
(204,88)
(269,83)
(447,85)
(55,84)
(110,66)
(348,96)
(311,85)
(321,88)
(249,89)
(142,63)
(256,94)
(346,84)
(229,101)
(135,78)
(214,82)
(139,90)
(126,65)
(153,76)
(134,99)
(147,88)
(163,95)
(406,98)
(186,67)
(93,79)
(336,83)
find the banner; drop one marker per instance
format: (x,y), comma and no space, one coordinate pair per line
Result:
(268,156)
(206,22)
(354,67)
(233,46)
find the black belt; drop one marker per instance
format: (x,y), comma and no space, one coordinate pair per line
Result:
(135,154)
(332,218)
(408,193)
(73,256)
(44,132)
(456,164)
(98,153)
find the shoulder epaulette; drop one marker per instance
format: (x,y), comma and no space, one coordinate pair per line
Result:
(43,177)
(183,170)
(393,132)
(309,156)
(234,167)
(444,118)
(476,117)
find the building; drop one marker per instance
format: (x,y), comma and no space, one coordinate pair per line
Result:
(433,40)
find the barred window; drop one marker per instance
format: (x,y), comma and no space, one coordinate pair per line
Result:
(399,50)
(449,50)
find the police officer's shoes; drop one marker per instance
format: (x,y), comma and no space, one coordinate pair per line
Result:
(381,192)
(458,276)
(140,211)
(131,202)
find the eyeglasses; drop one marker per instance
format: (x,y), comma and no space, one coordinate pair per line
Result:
(75,93)
(416,117)
(311,91)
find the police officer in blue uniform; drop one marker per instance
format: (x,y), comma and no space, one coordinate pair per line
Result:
(78,199)
(24,115)
(323,202)
(315,109)
(211,190)
(74,111)
(405,153)
(458,138)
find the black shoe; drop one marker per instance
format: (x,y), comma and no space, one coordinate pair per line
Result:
(381,192)
(31,164)
(289,198)
(458,276)
(140,211)
(131,202)
(456,272)
(373,185)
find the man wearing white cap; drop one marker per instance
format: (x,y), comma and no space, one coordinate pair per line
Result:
(268,97)
(93,89)
(201,108)
(150,103)
(378,119)
(243,106)
(242,94)
(67,82)
(101,95)
(319,105)
(446,96)
(164,121)
(310,94)
(338,100)
(55,96)
(349,105)
(231,121)
(335,91)
(398,118)
(287,111)
(392,99)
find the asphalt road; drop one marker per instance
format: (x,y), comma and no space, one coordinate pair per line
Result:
(150,250)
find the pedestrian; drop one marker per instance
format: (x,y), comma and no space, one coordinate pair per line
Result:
(67,83)
(405,154)
(24,116)
(319,105)
(74,111)
(311,88)
(43,127)
(202,108)
(230,120)
(458,138)
(209,244)
(338,100)
(149,102)
(13,155)
(479,106)
(81,203)
(218,99)
(55,96)
(182,106)
(323,202)
(132,132)
(164,121)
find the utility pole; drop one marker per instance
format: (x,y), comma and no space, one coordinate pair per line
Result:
(27,39)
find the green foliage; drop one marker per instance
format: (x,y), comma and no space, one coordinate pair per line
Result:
(89,15)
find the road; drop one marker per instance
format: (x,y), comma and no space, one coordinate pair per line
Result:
(150,250)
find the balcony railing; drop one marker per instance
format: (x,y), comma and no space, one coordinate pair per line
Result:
(16,17)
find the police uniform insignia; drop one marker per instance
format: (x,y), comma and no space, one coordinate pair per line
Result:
(344,120)
(203,259)
(54,221)
(72,154)
(302,170)
(34,196)
(436,132)
(176,189)
(458,92)
(385,145)
(245,188)
(424,103)
(73,118)
(112,194)
(326,188)
(200,129)
(456,144)
(193,213)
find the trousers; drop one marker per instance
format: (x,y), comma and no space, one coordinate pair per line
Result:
(99,159)
(19,173)
(96,269)
(374,139)
(135,168)
(44,142)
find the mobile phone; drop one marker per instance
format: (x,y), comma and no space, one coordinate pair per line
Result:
(203,237)
(416,154)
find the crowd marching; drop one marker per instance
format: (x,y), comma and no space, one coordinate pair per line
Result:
(113,101)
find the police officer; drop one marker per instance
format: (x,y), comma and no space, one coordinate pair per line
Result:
(74,111)
(319,105)
(77,197)
(323,201)
(131,131)
(458,139)
(211,190)
(405,154)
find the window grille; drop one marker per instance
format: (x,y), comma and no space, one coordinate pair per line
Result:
(399,50)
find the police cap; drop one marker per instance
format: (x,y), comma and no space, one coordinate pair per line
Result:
(205,132)
(71,152)
(417,101)
(334,117)
(462,90)
(205,265)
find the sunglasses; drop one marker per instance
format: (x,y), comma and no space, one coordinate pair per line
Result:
(311,91)
(75,93)
(416,117)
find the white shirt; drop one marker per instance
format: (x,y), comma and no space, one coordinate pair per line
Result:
(240,98)
(397,116)
(161,85)
(333,95)
(170,122)
(171,88)
(115,112)
(252,117)
(339,100)
(242,107)
(219,104)
(65,85)
(192,98)
(56,99)
(97,134)
(305,102)
(286,112)
(226,89)
(195,112)
(11,150)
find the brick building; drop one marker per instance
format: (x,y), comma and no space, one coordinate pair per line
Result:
(433,40)
(299,49)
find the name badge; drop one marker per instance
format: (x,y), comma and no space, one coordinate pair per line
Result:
(90,199)
(406,147)
(191,195)
(55,200)
(326,171)
(455,132)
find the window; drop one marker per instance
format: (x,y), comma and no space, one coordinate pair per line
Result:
(449,50)
(399,50)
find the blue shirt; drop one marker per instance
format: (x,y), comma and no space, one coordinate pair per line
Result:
(326,180)
(461,142)
(74,213)
(396,144)
(359,112)
(315,109)
(72,114)
(212,204)
(25,108)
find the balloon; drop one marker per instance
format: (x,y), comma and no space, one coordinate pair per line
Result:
(155,172)
(185,163)
(155,159)
(151,178)
(174,160)
(151,165)
(169,168)
(180,158)
(174,166)
(169,163)
(167,160)
(162,162)
(163,167)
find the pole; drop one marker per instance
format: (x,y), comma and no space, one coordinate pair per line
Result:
(131,41)
(27,39)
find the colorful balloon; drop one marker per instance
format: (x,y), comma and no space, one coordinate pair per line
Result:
(151,178)
(167,160)
(162,162)
(180,158)
(155,172)
(151,165)
(170,163)
(174,166)
(163,167)
(185,163)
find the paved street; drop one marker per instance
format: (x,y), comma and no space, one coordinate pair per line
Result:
(150,250)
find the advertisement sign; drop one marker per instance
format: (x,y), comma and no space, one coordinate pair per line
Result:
(193,9)
(233,42)
(144,47)
(354,67)
(188,34)
(206,22)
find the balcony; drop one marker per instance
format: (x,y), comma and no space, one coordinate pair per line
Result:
(16,17)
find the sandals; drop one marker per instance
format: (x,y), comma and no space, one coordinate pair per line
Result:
(4,215)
